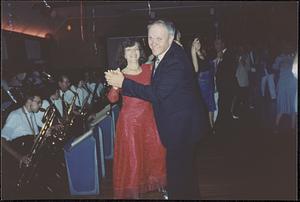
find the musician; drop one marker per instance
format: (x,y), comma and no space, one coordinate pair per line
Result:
(95,81)
(52,97)
(66,91)
(35,78)
(87,92)
(18,79)
(86,88)
(20,123)
(97,100)
(83,92)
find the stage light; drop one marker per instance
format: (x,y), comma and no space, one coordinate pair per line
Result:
(69,27)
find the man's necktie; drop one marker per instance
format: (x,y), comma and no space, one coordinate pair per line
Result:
(31,124)
(63,105)
(156,64)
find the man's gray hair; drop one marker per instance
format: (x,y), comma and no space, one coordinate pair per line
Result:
(168,24)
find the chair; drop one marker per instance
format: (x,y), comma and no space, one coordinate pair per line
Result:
(107,130)
(104,130)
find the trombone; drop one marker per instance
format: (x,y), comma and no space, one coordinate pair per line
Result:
(28,171)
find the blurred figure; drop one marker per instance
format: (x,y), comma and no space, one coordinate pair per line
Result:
(253,75)
(17,80)
(286,86)
(226,83)
(267,73)
(205,71)
(267,92)
(216,93)
(35,78)
(243,68)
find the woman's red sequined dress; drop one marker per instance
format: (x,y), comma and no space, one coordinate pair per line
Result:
(139,157)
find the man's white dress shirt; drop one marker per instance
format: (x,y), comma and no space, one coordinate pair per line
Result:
(17,125)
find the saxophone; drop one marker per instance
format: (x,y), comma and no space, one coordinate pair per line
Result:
(67,121)
(70,116)
(63,135)
(29,171)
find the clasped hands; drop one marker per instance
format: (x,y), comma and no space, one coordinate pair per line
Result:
(114,78)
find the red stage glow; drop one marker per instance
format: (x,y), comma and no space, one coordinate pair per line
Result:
(31,32)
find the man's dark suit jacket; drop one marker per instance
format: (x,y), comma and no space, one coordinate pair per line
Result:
(225,76)
(177,104)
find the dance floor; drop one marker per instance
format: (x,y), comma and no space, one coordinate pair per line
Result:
(251,163)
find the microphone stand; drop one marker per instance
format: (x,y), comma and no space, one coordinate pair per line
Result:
(11,96)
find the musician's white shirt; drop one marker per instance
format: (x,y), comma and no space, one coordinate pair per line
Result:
(58,105)
(16,124)
(68,97)
(92,86)
(39,115)
(82,94)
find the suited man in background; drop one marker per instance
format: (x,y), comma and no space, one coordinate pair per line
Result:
(177,105)
(226,83)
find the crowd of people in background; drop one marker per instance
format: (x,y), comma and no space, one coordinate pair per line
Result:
(244,75)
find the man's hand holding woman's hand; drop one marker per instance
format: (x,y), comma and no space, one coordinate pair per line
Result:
(114,78)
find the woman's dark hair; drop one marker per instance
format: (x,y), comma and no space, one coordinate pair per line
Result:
(121,61)
(204,44)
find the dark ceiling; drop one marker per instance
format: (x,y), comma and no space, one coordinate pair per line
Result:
(124,18)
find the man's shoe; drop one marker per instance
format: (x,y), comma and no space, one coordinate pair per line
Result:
(165,196)
(235,117)
(164,193)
